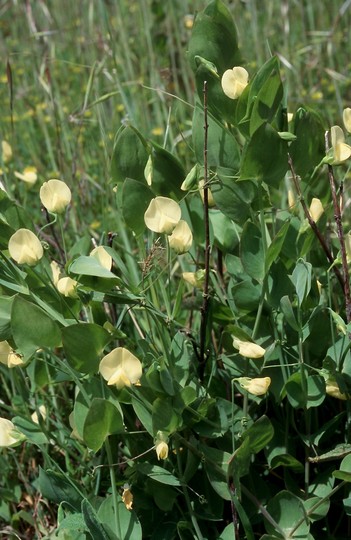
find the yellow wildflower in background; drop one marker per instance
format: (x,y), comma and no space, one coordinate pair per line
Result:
(346,116)
(42,413)
(28,175)
(6,151)
(25,247)
(234,82)
(127,497)
(120,368)
(316,209)
(248,349)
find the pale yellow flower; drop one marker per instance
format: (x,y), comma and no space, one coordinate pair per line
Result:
(120,368)
(28,175)
(248,349)
(6,151)
(196,279)
(25,247)
(127,497)
(161,445)
(316,209)
(346,116)
(148,171)
(341,150)
(234,82)
(332,389)
(68,287)
(257,386)
(55,195)
(181,238)
(291,199)
(100,254)
(162,215)
(8,356)
(42,413)
(9,434)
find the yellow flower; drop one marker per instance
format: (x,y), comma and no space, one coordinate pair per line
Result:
(100,254)
(8,356)
(248,349)
(162,215)
(332,389)
(127,497)
(9,434)
(258,386)
(25,247)
(341,150)
(55,195)
(181,238)
(316,209)
(234,82)
(6,151)
(161,445)
(211,201)
(346,116)
(120,368)
(68,287)
(29,175)
(42,413)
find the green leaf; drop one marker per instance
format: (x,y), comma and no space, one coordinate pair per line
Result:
(83,344)
(276,245)
(129,155)
(135,200)
(31,430)
(269,96)
(287,509)
(159,474)
(301,278)
(167,173)
(32,328)
(251,251)
(89,266)
(265,157)
(143,413)
(92,521)
(5,317)
(288,312)
(315,391)
(103,419)
(164,417)
(309,148)
(318,513)
(226,234)
(259,434)
(344,473)
(233,198)
(286,460)
(57,488)
(216,467)
(125,527)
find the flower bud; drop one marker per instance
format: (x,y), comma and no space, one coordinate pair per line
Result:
(248,349)
(234,82)
(127,497)
(161,445)
(55,195)
(8,356)
(196,279)
(25,247)
(181,238)
(211,201)
(316,209)
(162,215)
(42,413)
(56,271)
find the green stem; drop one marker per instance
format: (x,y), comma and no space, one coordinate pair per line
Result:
(113,487)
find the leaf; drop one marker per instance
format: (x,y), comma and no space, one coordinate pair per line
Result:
(5,317)
(309,148)
(286,460)
(83,344)
(57,488)
(276,245)
(288,312)
(167,173)
(259,434)
(159,474)
(89,266)
(135,200)
(103,419)
(32,328)
(344,472)
(92,522)
(251,251)
(31,430)
(129,155)
(216,467)
(265,158)
(287,509)
(301,278)
(226,234)
(164,417)
(233,198)
(125,527)
(143,414)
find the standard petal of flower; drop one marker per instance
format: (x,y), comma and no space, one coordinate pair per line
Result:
(55,195)
(42,413)
(234,82)
(257,386)
(341,150)
(248,349)
(346,116)
(181,238)
(25,247)
(100,254)
(9,435)
(131,366)
(316,209)
(56,271)
(120,367)
(162,215)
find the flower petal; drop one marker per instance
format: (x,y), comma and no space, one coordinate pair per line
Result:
(181,238)
(25,247)
(234,82)
(55,195)
(162,215)
(346,116)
